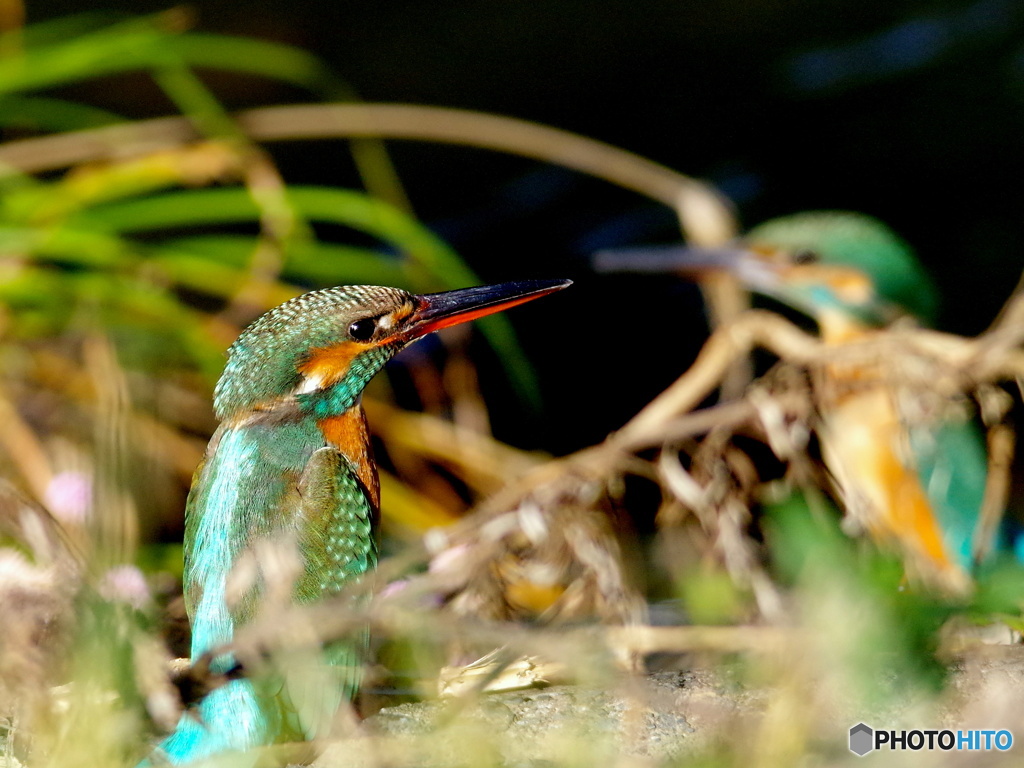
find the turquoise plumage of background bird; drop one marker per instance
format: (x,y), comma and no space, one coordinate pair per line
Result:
(910,479)
(291,462)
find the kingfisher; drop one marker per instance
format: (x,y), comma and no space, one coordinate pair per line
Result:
(908,479)
(291,461)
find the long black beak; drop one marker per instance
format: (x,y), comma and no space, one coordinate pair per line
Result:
(435,311)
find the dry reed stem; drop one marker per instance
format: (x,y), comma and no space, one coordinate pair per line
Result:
(389,121)
(705,215)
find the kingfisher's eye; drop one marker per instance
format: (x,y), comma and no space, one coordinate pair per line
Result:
(362,330)
(806,256)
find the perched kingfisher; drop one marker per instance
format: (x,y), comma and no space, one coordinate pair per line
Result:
(909,478)
(291,458)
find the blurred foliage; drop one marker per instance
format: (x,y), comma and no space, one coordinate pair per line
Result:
(165,255)
(122,282)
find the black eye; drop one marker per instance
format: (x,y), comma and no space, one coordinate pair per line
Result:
(806,256)
(362,330)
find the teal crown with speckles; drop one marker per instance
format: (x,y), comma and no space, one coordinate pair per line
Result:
(263,362)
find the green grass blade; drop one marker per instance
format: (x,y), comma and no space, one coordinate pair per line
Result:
(275,61)
(141,44)
(43,300)
(196,101)
(154,44)
(439,266)
(42,113)
(71,247)
(60,30)
(434,265)
(310,263)
(90,56)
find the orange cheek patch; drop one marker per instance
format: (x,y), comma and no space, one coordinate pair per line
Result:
(330,364)
(853,286)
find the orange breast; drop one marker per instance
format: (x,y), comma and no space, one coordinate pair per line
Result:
(863,445)
(350,435)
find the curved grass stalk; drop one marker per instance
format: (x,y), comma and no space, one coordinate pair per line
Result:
(705,215)
(410,122)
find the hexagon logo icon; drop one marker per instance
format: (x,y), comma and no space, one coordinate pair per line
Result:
(862,739)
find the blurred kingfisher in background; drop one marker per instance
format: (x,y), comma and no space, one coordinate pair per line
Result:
(291,462)
(912,480)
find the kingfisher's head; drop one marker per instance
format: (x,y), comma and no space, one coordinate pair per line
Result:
(823,263)
(321,348)
(840,261)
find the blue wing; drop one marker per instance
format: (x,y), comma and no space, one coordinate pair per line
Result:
(259,480)
(953,466)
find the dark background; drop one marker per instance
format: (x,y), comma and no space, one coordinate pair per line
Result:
(910,111)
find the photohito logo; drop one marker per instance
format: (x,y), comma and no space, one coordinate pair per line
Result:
(865,739)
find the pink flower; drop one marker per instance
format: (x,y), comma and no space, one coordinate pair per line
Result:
(69,496)
(125,584)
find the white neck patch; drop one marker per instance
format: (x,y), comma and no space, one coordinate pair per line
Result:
(310,384)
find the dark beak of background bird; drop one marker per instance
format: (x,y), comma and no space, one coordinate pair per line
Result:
(435,311)
(671,259)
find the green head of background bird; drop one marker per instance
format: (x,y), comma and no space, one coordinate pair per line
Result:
(291,462)
(918,483)
(827,264)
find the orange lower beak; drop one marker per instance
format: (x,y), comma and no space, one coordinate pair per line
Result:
(435,311)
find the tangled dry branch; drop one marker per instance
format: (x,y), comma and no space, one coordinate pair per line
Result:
(547,533)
